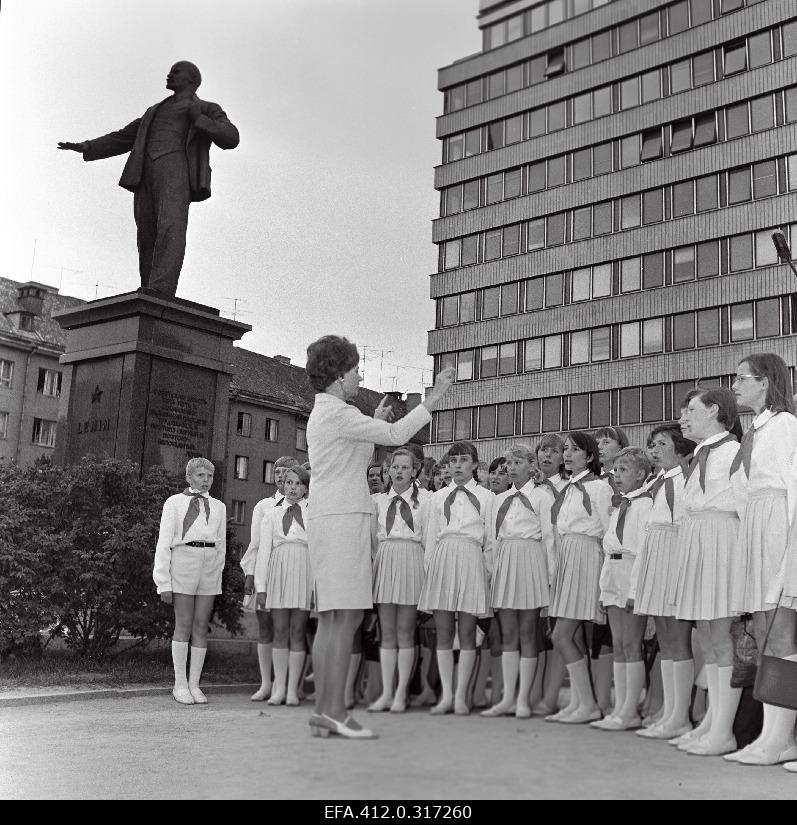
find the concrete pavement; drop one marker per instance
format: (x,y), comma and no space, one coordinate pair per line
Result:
(149,747)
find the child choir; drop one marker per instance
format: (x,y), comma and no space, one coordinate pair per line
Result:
(690,530)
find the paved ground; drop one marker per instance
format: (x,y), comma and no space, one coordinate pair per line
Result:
(151,747)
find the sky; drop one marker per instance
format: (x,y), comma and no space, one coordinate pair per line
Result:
(320,220)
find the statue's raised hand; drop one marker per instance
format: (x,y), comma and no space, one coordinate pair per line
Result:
(74,147)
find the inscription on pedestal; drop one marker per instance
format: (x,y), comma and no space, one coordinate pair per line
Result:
(180,420)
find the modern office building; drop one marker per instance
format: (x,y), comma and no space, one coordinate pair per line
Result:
(612,172)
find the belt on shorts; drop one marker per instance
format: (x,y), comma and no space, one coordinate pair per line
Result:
(615,556)
(200,544)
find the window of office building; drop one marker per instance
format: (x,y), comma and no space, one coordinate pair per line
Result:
(652,336)
(705,130)
(767,318)
(509,299)
(708,259)
(512,183)
(683,331)
(677,17)
(532,358)
(601,280)
(535,288)
(653,403)
(629,406)
(765,179)
(470,250)
(470,194)
(703,68)
(551,415)
(649,28)
(505,423)
(629,151)
(653,270)
(737,121)
(531,416)
(681,138)
(553,351)
(706,198)
(488,365)
(268,472)
(555,229)
(556,116)
(742,322)
(580,285)
(486,422)
(465,365)
(708,327)
(601,46)
(760,49)
(683,199)
(467,307)
(490,299)
(739,189)
(734,57)
(579,347)
(629,339)
(651,144)
(630,275)
(602,218)
(765,252)
(582,223)
(602,344)
(445,426)
(789,31)
(702,11)
(580,54)
(492,245)
(582,164)
(651,86)
(741,257)
(599,409)
(554,289)
(579,412)
(630,212)
(681,76)
(556,171)
(449,314)
(507,359)
(463,424)
(683,264)
(535,234)
(602,156)
(629,93)
(582,108)
(762,113)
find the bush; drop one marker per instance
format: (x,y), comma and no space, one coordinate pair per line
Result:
(77,546)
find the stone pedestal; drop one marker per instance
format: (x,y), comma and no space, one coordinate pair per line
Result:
(146,379)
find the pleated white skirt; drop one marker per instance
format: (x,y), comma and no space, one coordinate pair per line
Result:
(658,571)
(707,565)
(520,580)
(398,572)
(456,579)
(289,577)
(576,585)
(763,535)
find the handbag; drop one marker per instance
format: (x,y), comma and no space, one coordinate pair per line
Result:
(776,679)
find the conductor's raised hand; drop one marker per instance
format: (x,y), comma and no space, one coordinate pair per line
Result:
(442,384)
(249,585)
(73,147)
(384,412)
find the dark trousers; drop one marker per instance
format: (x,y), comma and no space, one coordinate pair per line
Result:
(160,207)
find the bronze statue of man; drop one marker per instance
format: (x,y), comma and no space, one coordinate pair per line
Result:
(168,168)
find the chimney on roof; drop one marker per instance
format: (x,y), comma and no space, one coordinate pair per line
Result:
(413,399)
(283,359)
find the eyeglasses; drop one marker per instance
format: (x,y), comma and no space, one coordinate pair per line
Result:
(742,375)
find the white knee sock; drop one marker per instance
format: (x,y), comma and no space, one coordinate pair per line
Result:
(406,659)
(710,670)
(726,707)
(579,684)
(445,666)
(619,688)
(264,663)
(528,668)
(179,660)
(280,656)
(510,663)
(295,670)
(197,662)
(683,678)
(388,657)
(667,686)
(634,682)
(467,659)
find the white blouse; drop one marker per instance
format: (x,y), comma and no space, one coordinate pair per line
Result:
(465,521)
(258,511)
(573,517)
(773,463)
(272,536)
(170,534)
(636,518)
(519,522)
(660,512)
(340,443)
(718,494)
(400,529)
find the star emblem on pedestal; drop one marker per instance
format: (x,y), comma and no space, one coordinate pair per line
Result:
(96,395)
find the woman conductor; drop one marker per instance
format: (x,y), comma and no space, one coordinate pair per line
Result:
(340,443)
